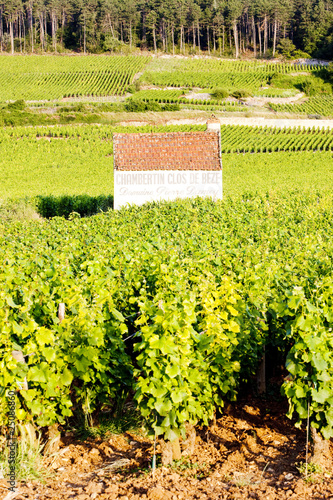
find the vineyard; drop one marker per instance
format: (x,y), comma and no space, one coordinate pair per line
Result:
(273,92)
(171,309)
(179,97)
(77,159)
(51,77)
(156,292)
(321,105)
(270,139)
(217,73)
(158,95)
(62,160)
(226,106)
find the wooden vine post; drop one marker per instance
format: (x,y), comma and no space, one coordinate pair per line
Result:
(176,449)
(27,431)
(53,442)
(261,375)
(18,356)
(61,312)
(321,454)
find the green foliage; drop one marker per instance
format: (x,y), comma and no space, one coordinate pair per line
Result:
(275,92)
(220,93)
(112,44)
(72,109)
(173,300)
(106,107)
(131,89)
(312,87)
(245,139)
(137,106)
(309,23)
(307,470)
(53,77)
(310,360)
(330,72)
(67,160)
(321,105)
(154,292)
(134,87)
(286,48)
(165,95)
(283,81)
(170,107)
(78,160)
(300,54)
(275,172)
(311,84)
(217,73)
(17,105)
(64,206)
(241,93)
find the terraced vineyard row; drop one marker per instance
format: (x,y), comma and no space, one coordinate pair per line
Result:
(177,97)
(110,76)
(234,138)
(272,92)
(269,139)
(248,81)
(64,64)
(211,105)
(158,95)
(319,105)
(212,73)
(227,66)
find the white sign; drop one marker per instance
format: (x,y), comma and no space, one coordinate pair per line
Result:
(138,187)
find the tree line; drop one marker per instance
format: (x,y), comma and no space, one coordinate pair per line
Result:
(221,27)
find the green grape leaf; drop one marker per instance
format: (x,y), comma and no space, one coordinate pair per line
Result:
(321,396)
(66,377)
(172,370)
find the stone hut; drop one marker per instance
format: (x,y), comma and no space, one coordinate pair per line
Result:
(156,166)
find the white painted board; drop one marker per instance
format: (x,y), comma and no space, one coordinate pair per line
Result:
(138,187)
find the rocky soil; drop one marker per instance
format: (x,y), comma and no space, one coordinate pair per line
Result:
(251,452)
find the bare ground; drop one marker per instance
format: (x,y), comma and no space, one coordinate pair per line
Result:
(251,452)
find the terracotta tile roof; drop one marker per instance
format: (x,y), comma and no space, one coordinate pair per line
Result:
(167,151)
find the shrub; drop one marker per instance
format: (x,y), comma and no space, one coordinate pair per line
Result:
(313,87)
(299,54)
(220,93)
(18,105)
(131,89)
(137,106)
(171,107)
(64,206)
(286,48)
(241,93)
(79,108)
